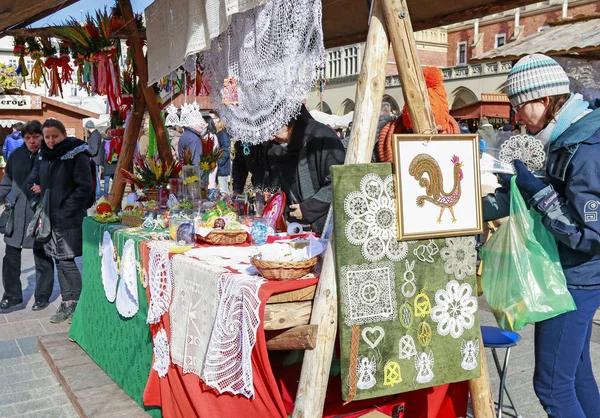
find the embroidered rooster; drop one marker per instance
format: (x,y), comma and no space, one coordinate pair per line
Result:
(434,185)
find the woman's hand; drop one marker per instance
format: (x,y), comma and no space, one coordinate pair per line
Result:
(36,188)
(295,211)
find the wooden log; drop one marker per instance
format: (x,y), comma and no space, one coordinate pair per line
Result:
(303,337)
(482,400)
(20,14)
(308,293)
(314,377)
(132,133)
(287,315)
(141,69)
(414,88)
(50,32)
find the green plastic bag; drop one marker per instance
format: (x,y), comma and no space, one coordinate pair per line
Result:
(522,278)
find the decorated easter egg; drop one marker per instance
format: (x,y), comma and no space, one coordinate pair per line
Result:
(219,223)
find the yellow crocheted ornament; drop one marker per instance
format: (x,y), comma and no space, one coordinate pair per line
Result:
(391,374)
(424,333)
(422,305)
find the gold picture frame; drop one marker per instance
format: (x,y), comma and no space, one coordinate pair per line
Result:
(422,166)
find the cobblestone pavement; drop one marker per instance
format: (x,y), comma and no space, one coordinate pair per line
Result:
(29,389)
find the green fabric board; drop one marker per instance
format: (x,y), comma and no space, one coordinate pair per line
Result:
(370,290)
(121,347)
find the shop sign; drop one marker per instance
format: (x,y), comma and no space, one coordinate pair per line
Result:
(15,102)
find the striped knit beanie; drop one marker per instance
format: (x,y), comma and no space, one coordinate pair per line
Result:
(533,77)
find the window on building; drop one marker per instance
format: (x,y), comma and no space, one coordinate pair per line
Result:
(351,60)
(461,53)
(12,62)
(334,64)
(73,91)
(500,40)
(29,64)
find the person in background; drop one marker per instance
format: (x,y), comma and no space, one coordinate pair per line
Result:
(487,134)
(174,135)
(108,165)
(95,143)
(567,200)
(19,166)
(254,163)
(385,116)
(13,141)
(299,160)
(224,165)
(210,131)
(464,129)
(190,140)
(63,170)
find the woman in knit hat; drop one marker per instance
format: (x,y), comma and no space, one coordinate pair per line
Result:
(568,198)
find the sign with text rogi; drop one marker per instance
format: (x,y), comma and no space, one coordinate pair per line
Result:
(15,102)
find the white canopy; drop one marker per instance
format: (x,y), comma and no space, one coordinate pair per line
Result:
(332,120)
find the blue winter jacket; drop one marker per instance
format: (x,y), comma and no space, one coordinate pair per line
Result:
(570,204)
(224,164)
(13,141)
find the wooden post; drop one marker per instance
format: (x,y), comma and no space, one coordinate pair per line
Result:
(141,69)
(132,133)
(417,101)
(314,377)
(414,88)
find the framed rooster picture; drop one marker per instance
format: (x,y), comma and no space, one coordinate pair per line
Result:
(437,186)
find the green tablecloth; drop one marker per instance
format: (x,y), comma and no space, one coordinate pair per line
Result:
(121,347)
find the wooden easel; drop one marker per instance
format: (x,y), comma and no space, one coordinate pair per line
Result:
(390,21)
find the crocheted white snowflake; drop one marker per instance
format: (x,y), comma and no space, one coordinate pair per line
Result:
(526,148)
(460,256)
(372,224)
(455,309)
(162,357)
(368,293)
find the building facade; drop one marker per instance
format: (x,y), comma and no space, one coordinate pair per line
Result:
(450,48)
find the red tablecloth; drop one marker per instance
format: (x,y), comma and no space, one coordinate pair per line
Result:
(185,395)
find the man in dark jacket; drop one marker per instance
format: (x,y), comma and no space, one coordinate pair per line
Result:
(300,161)
(254,163)
(95,144)
(18,168)
(13,140)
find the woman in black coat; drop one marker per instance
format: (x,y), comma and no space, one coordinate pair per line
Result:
(19,166)
(63,170)
(299,160)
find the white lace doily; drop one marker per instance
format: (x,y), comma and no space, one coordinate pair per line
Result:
(162,359)
(228,365)
(172,118)
(460,257)
(469,350)
(274,53)
(455,309)
(127,295)
(368,293)
(526,148)
(424,367)
(372,223)
(160,280)
(193,311)
(110,276)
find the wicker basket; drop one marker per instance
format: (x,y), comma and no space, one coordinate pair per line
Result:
(151,194)
(284,270)
(132,220)
(222,237)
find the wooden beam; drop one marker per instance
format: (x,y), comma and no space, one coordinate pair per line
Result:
(471,13)
(482,400)
(307,293)
(141,69)
(132,133)
(50,31)
(414,88)
(303,337)
(21,14)
(286,315)
(312,387)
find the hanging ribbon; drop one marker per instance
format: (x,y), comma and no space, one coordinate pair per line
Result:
(66,75)
(52,64)
(151,139)
(20,52)
(37,71)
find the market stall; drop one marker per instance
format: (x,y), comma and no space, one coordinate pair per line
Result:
(128,323)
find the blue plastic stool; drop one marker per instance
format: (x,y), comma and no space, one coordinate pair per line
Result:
(494,337)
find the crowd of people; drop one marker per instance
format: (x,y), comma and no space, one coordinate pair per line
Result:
(42,160)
